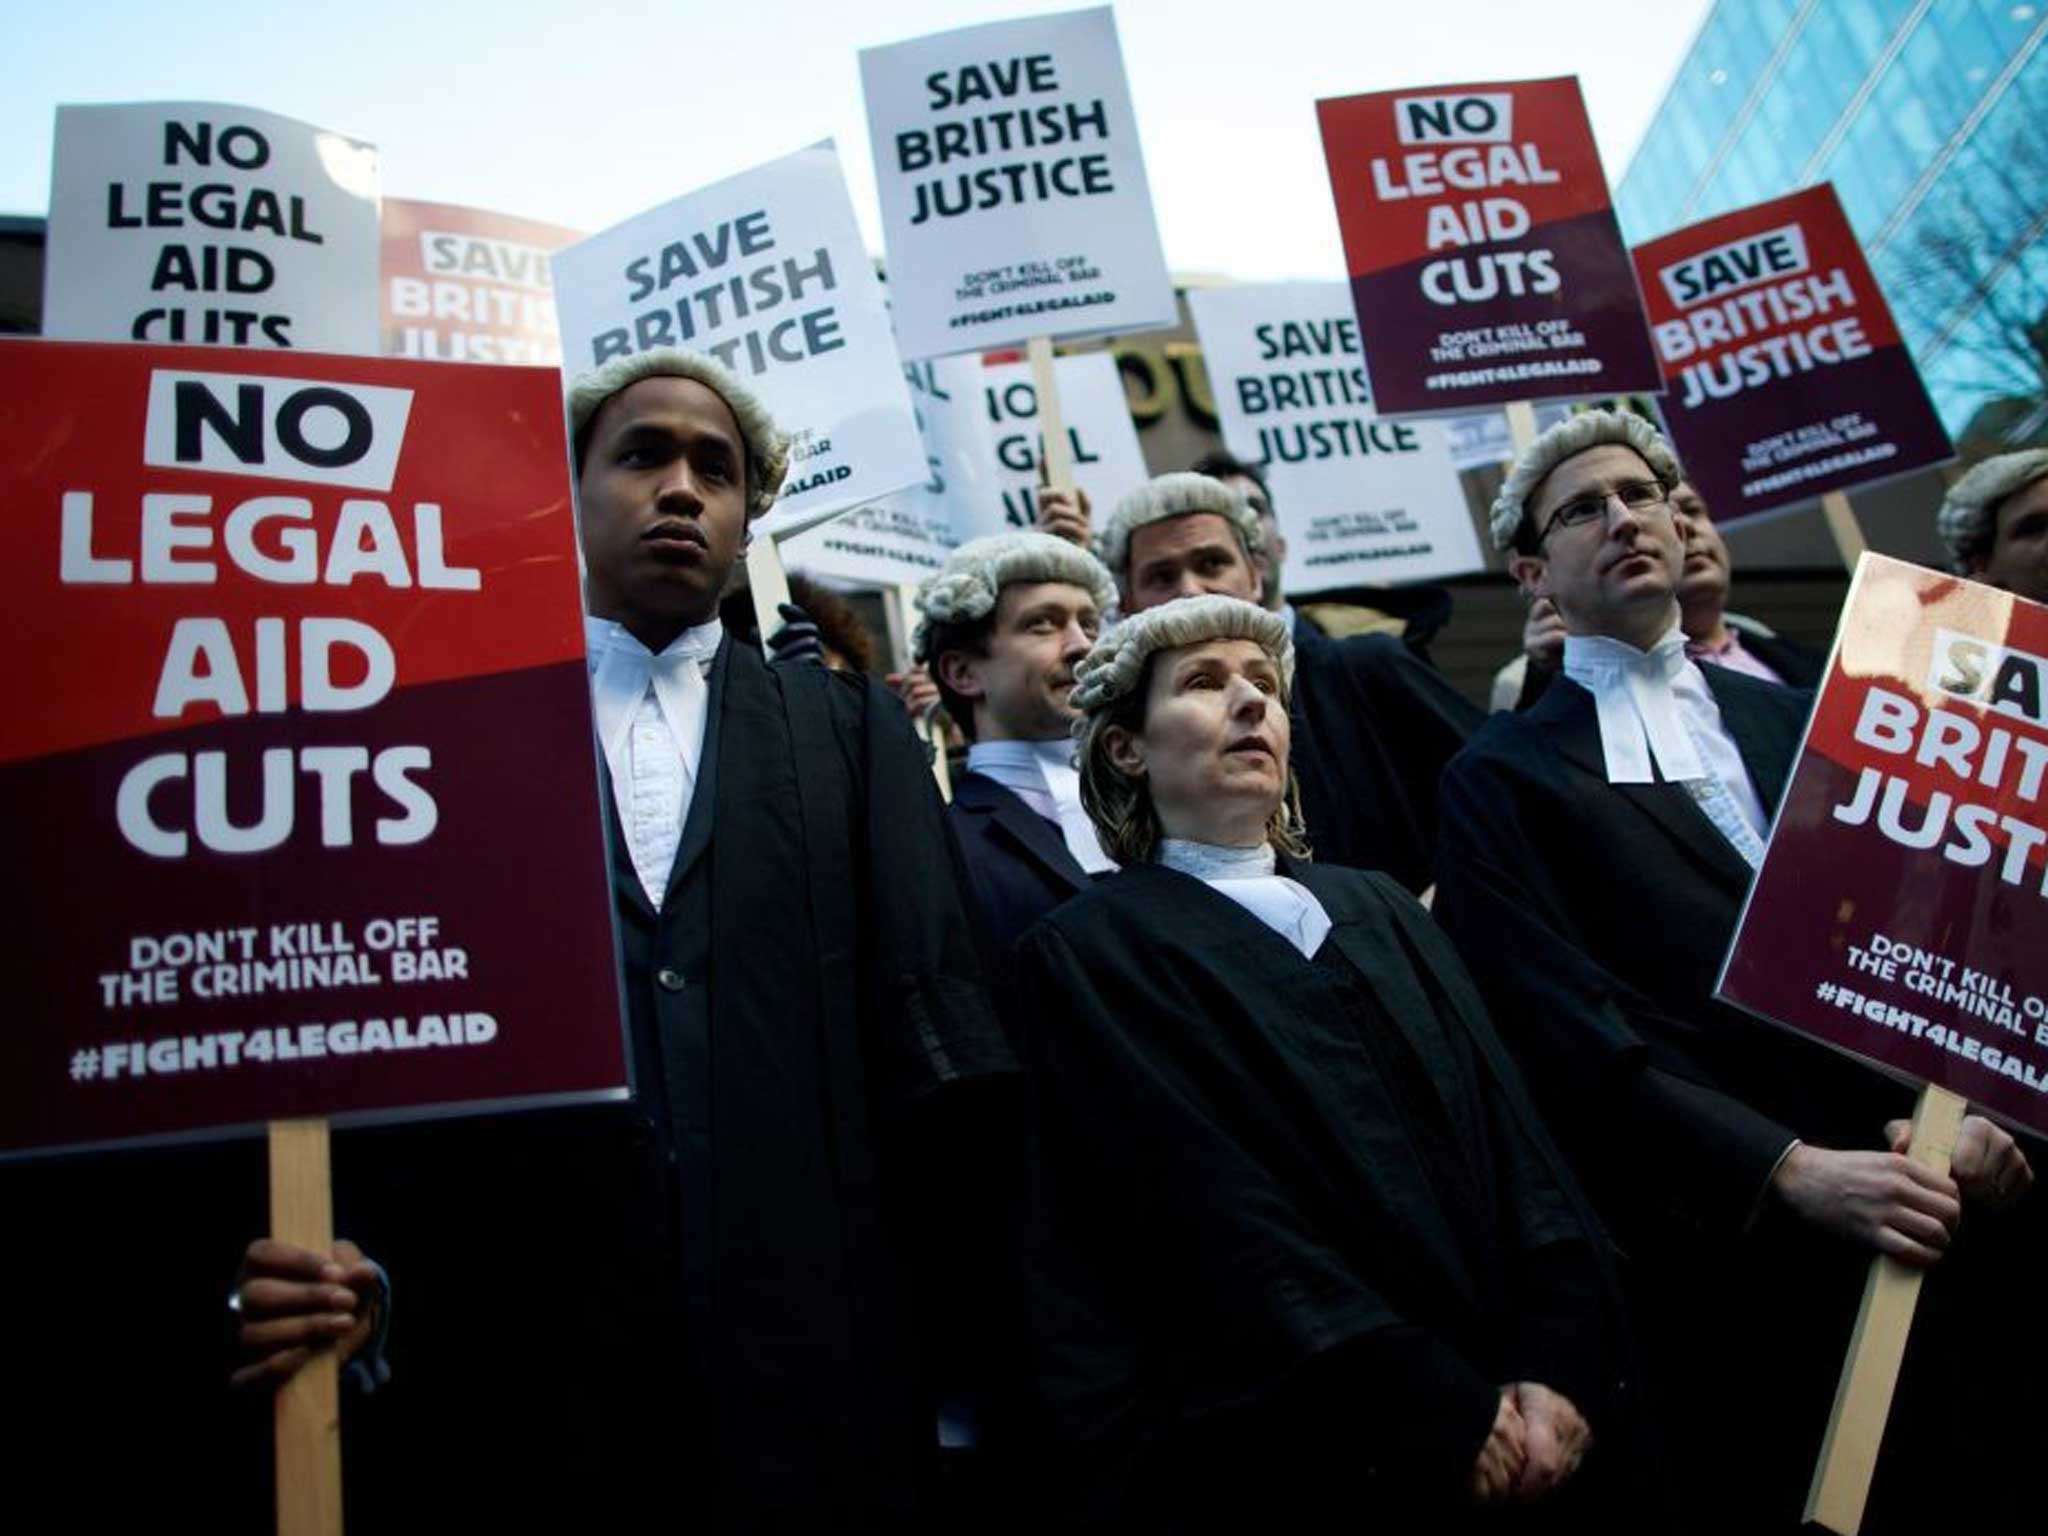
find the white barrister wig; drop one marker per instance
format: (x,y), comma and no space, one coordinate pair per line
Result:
(1176,495)
(1569,438)
(767,448)
(966,587)
(1968,521)
(1113,668)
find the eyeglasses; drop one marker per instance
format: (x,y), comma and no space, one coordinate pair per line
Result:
(1636,495)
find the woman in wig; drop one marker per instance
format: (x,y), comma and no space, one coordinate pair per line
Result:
(1302,1253)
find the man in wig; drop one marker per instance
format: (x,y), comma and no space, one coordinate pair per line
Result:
(1995,523)
(697,1303)
(1001,627)
(1300,1244)
(1373,723)
(1597,849)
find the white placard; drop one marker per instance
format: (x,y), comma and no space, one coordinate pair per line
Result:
(1480,439)
(1014,199)
(1107,459)
(766,272)
(205,224)
(904,538)
(1485,438)
(1361,499)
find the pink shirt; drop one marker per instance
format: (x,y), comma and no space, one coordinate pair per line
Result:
(1732,656)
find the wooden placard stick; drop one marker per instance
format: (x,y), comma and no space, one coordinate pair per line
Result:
(1863,1398)
(769,584)
(902,617)
(1521,425)
(308,1406)
(1052,421)
(1849,540)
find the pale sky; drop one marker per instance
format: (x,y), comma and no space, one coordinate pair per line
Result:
(588,112)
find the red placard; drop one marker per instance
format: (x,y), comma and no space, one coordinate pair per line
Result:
(298,753)
(461,285)
(1486,264)
(1784,373)
(1901,913)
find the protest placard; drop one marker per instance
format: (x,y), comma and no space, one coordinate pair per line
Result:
(1099,431)
(206,224)
(1014,199)
(299,746)
(1901,913)
(463,285)
(1486,265)
(1785,376)
(903,538)
(766,272)
(1360,499)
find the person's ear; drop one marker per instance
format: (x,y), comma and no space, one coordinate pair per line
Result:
(1530,573)
(1125,751)
(956,669)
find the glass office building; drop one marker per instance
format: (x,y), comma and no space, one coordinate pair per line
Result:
(1931,119)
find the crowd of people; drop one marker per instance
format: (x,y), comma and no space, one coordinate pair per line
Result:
(1270,1093)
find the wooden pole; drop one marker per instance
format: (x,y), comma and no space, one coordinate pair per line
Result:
(927,725)
(1863,1398)
(768,583)
(1849,540)
(1052,421)
(1521,425)
(308,1407)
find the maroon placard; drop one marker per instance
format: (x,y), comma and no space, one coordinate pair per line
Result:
(463,285)
(298,755)
(1486,264)
(1784,374)
(1901,913)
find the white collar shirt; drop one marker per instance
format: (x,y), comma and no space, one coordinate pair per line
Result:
(1043,776)
(1250,877)
(1658,716)
(651,711)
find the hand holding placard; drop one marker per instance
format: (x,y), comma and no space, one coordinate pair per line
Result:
(1880,1200)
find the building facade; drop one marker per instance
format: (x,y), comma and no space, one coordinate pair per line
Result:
(1931,119)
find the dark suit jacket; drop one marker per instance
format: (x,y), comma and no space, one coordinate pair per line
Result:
(1017,862)
(1374,725)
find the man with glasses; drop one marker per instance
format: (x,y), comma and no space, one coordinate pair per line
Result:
(1595,853)
(1713,635)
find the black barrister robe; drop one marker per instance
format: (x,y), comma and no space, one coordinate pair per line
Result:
(1294,1222)
(1018,869)
(696,1308)
(1595,917)
(1374,725)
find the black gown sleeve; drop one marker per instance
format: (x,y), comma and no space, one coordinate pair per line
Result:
(1426,721)
(936,1024)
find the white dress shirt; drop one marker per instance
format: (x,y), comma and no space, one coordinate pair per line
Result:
(1247,876)
(1043,776)
(1654,707)
(651,712)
